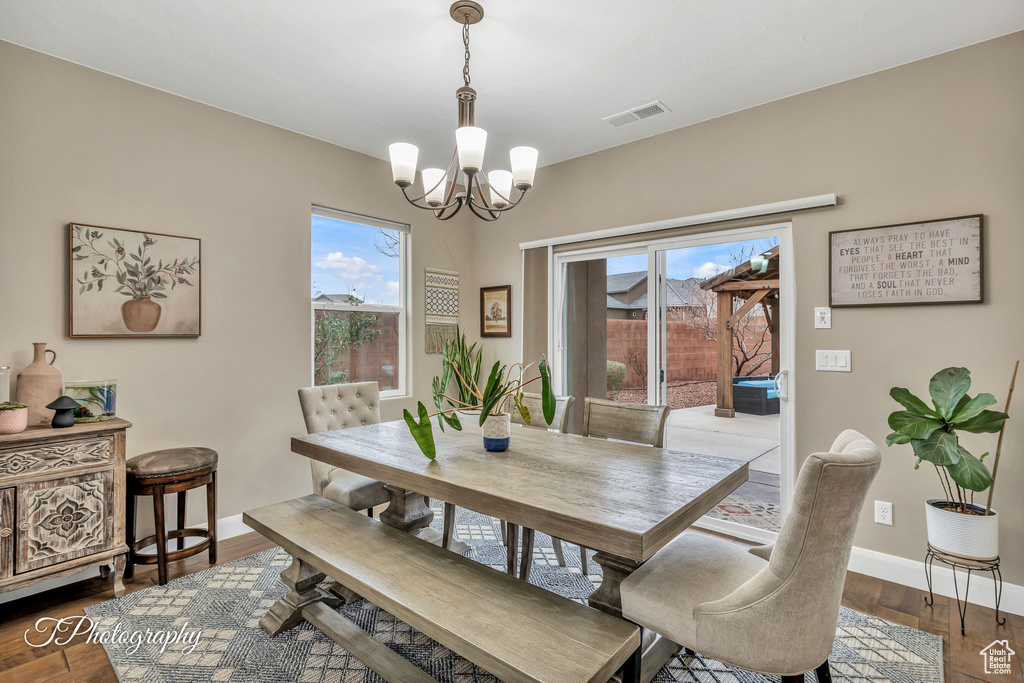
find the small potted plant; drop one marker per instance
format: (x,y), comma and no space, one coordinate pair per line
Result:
(502,393)
(13,417)
(956,524)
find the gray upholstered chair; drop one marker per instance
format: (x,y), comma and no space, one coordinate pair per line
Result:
(773,609)
(340,406)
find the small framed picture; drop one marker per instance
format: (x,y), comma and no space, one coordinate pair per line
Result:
(496,311)
(130,283)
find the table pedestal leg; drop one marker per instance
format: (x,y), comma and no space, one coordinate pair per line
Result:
(658,650)
(408,511)
(286,613)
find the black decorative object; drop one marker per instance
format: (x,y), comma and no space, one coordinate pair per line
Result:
(970,565)
(63,412)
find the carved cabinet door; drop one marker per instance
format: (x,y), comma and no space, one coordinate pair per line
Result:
(6,532)
(63,519)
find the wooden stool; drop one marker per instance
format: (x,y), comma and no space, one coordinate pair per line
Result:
(175,470)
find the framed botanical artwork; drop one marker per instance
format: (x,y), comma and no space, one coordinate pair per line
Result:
(927,262)
(496,311)
(129,283)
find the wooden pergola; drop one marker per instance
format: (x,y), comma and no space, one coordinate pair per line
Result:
(753,288)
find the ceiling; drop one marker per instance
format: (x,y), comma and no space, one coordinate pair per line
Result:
(365,74)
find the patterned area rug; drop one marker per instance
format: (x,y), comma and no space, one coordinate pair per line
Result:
(750,511)
(226,603)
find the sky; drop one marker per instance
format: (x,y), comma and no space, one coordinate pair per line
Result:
(701,262)
(344,259)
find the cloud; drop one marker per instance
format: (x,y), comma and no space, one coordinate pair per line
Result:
(391,288)
(709,269)
(349,267)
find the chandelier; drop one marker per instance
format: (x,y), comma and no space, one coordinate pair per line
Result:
(441,195)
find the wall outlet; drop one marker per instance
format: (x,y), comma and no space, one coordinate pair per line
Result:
(883,512)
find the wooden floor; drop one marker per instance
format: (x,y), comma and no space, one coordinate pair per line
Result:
(79,661)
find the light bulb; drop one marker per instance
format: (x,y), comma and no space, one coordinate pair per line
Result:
(435,177)
(470,142)
(524,166)
(501,188)
(403,163)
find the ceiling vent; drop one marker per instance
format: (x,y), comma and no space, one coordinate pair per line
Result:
(638,114)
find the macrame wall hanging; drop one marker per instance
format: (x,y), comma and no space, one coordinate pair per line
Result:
(442,303)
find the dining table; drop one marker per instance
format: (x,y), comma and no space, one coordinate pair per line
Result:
(623,500)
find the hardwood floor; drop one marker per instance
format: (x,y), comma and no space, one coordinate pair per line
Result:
(88,662)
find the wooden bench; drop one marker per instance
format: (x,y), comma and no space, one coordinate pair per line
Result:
(514,630)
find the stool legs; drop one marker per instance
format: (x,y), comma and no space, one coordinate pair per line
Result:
(161,533)
(129,533)
(181,517)
(211,516)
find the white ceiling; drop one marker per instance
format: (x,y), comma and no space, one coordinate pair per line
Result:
(365,74)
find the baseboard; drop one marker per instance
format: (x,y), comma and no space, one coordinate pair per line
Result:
(227,527)
(911,573)
(736,530)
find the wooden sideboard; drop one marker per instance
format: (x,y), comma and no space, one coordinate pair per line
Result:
(62,496)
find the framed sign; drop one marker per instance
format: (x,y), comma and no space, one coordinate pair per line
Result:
(496,311)
(931,262)
(129,283)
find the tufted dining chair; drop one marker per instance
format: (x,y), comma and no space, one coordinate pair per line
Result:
(340,406)
(772,609)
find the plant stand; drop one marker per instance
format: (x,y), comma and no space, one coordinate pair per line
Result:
(969,565)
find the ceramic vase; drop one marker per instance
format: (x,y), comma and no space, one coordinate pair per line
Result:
(497,432)
(13,421)
(39,384)
(142,315)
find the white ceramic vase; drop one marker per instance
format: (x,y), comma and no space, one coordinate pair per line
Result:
(971,536)
(497,432)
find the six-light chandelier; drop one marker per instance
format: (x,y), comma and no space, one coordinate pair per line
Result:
(443,196)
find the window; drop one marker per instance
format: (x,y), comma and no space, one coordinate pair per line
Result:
(358,298)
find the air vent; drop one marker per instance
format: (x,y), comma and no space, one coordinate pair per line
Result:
(638,114)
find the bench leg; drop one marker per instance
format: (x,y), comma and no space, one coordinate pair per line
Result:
(302,579)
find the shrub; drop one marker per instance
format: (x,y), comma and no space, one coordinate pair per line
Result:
(616,374)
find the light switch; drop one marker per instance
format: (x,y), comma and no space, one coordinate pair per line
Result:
(832,361)
(822,318)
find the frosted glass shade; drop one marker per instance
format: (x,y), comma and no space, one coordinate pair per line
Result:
(471,141)
(403,162)
(524,166)
(432,177)
(501,187)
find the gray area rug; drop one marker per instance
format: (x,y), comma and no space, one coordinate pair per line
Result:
(226,603)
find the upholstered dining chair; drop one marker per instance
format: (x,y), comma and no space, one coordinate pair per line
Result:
(534,406)
(623,422)
(771,610)
(340,406)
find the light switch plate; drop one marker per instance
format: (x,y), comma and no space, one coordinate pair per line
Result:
(822,318)
(832,361)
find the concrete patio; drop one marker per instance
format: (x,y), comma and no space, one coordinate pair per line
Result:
(751,438)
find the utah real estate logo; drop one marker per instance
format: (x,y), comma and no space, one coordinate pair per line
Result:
(997,657)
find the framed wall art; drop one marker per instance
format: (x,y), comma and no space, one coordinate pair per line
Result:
(496,311)
(130,283)
(930,262)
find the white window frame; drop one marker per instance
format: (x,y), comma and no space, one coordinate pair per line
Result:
(405,283)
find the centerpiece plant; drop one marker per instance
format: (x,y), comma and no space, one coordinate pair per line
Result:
(501,393)
(933,431)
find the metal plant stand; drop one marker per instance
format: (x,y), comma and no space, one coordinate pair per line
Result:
(969,565)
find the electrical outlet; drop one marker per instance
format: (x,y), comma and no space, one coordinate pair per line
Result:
(883,513)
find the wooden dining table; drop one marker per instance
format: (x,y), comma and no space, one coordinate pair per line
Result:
(625,501)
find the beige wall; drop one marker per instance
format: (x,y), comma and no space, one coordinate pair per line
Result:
(941,137)
(78,145)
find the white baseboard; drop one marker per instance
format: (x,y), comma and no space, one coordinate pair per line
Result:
(911,573)
(228,527)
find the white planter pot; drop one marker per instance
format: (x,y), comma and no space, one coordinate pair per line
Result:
(497,432)
(971,536)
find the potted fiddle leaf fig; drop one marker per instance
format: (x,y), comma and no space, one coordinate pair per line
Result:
(956,524)
(500,394)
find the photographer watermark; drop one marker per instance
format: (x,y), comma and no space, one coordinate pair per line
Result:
(66,629)
(997,657)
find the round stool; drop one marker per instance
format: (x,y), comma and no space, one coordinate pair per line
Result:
(174,470)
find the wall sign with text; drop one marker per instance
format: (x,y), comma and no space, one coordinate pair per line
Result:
(932,262)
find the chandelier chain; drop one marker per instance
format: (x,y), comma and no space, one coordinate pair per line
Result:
(465,41)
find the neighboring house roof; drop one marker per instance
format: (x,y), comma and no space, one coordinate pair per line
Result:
(623,282)
(680,292)
(338,299)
